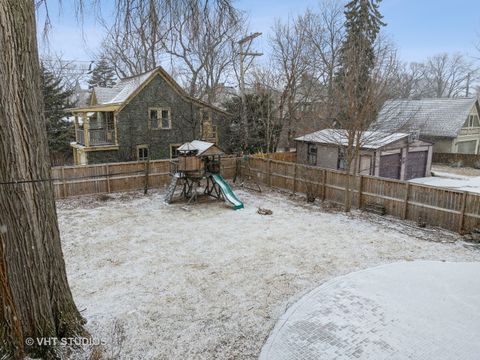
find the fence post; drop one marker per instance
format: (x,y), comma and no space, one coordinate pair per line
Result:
(405,201)
(462,215)
(360,190)
(64,183)
(107,172)
(324,184)
(147,169)
(269,172)
(294,178)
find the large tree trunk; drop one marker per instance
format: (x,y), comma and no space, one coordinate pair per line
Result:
(35,298)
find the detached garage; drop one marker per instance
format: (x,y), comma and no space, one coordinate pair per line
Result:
(394,156)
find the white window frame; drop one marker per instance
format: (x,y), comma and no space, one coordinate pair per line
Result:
(159,111)
(469,123)
(141,147)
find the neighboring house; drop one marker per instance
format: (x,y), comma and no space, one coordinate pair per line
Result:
(80,97)
(395,155)
(144,116)
(451,124)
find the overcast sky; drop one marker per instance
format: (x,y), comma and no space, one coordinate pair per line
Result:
(420,28)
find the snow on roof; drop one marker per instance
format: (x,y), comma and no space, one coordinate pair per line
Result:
(104,94)
(122,90)
(81,97)
(434,117)
(196,145)
(370,139)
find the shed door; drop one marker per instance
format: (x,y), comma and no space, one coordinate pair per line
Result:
(365,164)
(416,164)
(390,166)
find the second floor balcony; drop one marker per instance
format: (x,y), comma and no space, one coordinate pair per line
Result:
(95,137)
(96,128)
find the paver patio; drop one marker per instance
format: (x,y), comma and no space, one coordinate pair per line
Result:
(407,310)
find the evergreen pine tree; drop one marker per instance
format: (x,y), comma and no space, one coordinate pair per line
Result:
(357,59)
(103,74)
(56,100)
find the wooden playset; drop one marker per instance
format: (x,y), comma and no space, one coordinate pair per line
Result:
(198,166)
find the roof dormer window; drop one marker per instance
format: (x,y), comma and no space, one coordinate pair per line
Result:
(472,121)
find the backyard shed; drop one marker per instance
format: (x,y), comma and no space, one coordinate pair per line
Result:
(390,155)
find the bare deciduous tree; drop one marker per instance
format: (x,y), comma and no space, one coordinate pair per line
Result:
(449,75)
(325,33)
(288,45)
(194,37)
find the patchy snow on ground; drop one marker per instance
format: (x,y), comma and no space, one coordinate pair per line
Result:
(451,180)
(207,282)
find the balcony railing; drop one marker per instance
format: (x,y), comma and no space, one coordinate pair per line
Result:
(470,131)
(96,137)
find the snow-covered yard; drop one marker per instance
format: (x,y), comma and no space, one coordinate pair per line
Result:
(159,281)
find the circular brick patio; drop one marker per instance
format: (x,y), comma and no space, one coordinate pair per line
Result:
(409,310)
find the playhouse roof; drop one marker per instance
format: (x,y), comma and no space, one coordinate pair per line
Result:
(202,148)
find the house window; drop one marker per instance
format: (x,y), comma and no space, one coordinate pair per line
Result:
(174,150)
(142,152)
(342,163)
(206,115)
(160,118)
(472,121)
(312,154)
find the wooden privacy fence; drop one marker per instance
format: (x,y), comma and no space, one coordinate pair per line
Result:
(290,156)
(447,208)
(450,209)
(118,177)
(471,160)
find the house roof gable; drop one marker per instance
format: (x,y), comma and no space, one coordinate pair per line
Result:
(432,117)
(127,88)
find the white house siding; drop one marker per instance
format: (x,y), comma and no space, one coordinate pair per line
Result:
(468,140)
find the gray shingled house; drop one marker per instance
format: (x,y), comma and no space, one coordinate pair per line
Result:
(389,155)
(144,116)
(451,124)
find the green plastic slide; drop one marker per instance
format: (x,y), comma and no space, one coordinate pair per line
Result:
(227,191)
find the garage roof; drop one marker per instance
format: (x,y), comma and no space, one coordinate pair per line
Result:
(369,139)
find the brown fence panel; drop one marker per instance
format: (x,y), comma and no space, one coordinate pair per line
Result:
(385,192)
(447,208)
(290,156)
(471,218)
(451,209)
(282,174)
(118,177)
(435,206)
